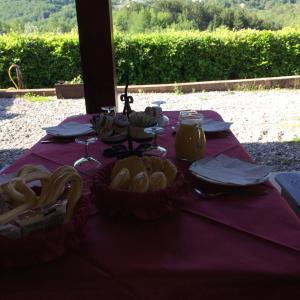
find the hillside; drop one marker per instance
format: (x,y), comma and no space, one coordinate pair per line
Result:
(39,13)
(148,15)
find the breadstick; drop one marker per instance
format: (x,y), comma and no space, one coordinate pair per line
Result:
(26,169)
(12,214)
(56,185)
(11,191)
(53,186)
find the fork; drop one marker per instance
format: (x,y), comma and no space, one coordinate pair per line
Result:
(56,141)
(209,195)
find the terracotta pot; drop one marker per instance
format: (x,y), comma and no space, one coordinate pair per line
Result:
(69,91)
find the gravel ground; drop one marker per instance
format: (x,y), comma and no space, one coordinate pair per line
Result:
(266,122)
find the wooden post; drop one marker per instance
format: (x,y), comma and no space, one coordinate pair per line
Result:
(96,48)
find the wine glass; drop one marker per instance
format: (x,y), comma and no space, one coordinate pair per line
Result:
(155,149)
(158,102)
(110,110)
(86,158)
(163,120)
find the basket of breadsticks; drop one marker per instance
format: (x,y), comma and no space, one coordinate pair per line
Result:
(145,188)
(41,215)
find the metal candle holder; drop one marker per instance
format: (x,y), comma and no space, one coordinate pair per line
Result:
(126,99)
(127,110)
(120,150)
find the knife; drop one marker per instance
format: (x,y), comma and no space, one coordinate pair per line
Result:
(57,141)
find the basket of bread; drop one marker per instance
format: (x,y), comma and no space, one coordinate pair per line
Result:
(41,214)
(145,187)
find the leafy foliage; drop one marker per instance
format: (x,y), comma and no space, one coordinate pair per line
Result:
(158,57)
(196,56)
(44,59)
(37,15)
(138,16)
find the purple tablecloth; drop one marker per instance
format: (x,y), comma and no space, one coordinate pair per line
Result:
(244,245)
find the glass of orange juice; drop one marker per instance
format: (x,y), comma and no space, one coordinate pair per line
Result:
(190,139)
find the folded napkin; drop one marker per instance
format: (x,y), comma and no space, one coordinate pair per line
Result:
(227,170)
(69,129)
(210,125)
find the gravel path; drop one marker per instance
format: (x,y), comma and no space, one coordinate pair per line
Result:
(266,122)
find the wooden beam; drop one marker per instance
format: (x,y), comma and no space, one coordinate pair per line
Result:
(96,47)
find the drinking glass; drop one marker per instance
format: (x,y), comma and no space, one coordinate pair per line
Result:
(163,120)
(86,158)
(190,139)
(193,115)
(155,149)
(190,115)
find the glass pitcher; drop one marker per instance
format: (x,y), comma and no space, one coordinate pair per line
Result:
(190,138)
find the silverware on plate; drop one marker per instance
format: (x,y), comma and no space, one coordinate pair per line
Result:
(57,141)
(256,191)
(209,195)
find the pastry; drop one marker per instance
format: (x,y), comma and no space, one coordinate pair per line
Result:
(170,171)
(148,164)
(121,120)
(106,132)
(157,181)
(140,183)
(121,181)
(54,185)
(154,111)
(157,163)
(134,164)
(149,173)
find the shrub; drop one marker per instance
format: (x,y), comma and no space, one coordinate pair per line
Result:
(166,57)
(198,56)
(44,59)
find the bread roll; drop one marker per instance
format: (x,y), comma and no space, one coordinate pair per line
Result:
(157,181)
(157,164)
(121,181)
(170,171)
(148,164)
(134,164)
(140,183)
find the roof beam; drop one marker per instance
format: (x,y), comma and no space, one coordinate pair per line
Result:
(94,19)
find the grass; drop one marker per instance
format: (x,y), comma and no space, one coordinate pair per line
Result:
(250,87)
(34,98)
(177,90)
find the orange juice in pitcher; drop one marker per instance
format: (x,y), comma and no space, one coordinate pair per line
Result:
(190,139)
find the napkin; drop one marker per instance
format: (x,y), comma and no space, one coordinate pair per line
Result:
(210,125)
(228,170)
(69,129)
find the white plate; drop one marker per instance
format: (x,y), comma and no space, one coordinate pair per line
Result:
(229,171)
(69,129)
(210,125)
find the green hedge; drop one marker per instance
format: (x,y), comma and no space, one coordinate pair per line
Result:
(159,57)
(44,59)
(199,56)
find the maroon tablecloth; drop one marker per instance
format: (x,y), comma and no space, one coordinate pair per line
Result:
(244,245)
